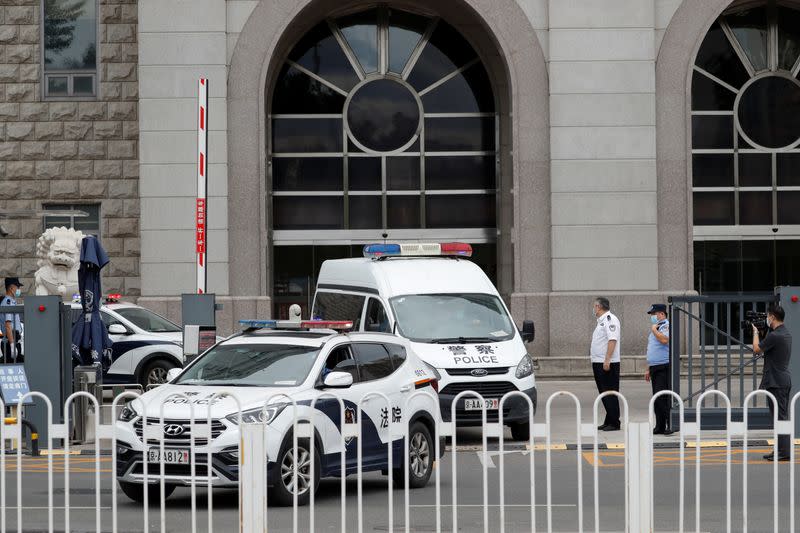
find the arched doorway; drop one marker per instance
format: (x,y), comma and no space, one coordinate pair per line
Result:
(383,125)
(502,36)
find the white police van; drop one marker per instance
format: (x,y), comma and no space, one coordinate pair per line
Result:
(451,312)
(146,345)
(303,362)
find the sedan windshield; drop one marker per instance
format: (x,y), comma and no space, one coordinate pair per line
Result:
(147,320)
(252,365)
(452,318)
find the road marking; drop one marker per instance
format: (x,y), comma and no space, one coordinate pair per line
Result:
(708,457)
(527,506)
(486,457)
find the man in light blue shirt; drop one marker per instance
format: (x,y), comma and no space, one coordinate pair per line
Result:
(658,363)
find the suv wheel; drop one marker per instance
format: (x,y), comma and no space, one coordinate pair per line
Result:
(420,458)
(155,372)
(283,484)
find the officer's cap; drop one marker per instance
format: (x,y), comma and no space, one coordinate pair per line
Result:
(656,308)
(13,281)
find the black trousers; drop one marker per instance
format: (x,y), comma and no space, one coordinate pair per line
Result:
(5,350)
(782,399)
(607,381)
(659,379)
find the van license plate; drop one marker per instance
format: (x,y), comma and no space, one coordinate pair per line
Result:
(171,456)
(477,405)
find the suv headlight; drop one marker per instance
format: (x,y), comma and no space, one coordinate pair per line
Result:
(259,415)
(525,367)
(127,414)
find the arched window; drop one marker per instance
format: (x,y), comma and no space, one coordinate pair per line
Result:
(382,122)
(746,148)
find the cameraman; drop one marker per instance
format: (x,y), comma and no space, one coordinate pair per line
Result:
(777,349)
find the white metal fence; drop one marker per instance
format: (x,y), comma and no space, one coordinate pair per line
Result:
(634,512)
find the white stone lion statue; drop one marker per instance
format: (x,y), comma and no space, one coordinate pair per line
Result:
(59,253)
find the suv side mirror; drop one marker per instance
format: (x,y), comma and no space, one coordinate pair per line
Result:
(117,329)
(173,373)
(338,380)
(528,331)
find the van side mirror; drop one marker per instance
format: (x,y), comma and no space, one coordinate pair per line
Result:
(338,380)
(528,331)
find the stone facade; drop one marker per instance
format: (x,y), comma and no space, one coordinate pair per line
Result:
(71,150)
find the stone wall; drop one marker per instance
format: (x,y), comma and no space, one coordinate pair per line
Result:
(68,151)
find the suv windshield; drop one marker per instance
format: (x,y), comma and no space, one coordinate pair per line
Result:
(147,320)
(452,318)
(252,365)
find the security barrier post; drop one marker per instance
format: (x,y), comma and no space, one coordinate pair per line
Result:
(253,472)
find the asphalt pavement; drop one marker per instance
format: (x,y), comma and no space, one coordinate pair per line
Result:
(565,512)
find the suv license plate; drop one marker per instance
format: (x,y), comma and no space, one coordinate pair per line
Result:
(171,456)
(477,405)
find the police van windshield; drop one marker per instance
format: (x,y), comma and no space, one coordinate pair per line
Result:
(452,318)
(252,365)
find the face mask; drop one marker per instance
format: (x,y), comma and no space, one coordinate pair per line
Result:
(17,293)
(654,319)
(769,323)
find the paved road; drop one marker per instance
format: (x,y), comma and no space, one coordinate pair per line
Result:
(565,511)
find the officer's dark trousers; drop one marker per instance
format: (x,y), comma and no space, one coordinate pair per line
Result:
(782,398)
(659,379)
(608,381)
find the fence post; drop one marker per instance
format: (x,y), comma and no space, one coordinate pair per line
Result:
(675,358)
(638,484)
(253,476)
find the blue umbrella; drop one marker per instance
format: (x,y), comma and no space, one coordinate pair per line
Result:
(90,342)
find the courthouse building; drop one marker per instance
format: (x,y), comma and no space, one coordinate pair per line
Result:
(626,148)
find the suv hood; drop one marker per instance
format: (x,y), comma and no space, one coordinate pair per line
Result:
(178,407)
(481,355)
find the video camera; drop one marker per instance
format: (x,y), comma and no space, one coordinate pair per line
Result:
(754,318)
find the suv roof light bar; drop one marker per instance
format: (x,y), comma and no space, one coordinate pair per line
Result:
(293,325)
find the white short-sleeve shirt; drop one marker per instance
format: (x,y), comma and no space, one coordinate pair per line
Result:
(607,329)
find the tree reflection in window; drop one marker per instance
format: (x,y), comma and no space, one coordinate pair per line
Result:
(70,34)
(402,103)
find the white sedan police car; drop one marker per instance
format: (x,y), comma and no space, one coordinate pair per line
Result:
(146,345)
(304,363)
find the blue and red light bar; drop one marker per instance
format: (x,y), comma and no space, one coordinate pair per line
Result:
(336,325)
(422,249)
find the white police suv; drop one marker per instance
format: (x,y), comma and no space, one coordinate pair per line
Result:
(146,345)
(305,363)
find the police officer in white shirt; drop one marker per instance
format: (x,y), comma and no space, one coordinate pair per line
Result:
(605,360)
